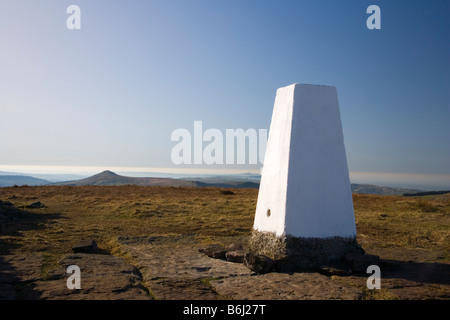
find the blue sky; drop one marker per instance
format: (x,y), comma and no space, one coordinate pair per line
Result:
(111,94)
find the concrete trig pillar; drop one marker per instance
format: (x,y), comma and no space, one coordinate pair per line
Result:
(304,214)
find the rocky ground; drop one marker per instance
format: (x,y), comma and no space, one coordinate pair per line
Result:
(172,268)
(153,243)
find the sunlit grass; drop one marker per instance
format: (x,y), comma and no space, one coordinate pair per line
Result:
(106,213)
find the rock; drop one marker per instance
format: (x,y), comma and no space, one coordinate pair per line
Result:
(36,205)
(219,254)
(214,251)
(235,256)
(360,262)
(233,253)
(227,192)
(259,263)
(235,247)
(86,246)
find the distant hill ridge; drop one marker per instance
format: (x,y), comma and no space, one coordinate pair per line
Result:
(109,178)
(381,190)
(11,180)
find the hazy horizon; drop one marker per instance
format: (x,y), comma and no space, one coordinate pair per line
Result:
(426,182)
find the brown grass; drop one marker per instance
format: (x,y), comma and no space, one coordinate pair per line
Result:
(106,213)
(393,221)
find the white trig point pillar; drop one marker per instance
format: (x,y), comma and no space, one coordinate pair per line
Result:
(304,214)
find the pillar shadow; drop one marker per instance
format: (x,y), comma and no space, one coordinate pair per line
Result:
(421,272)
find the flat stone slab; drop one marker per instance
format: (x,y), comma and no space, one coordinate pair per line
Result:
(103,277)
(172,269)
(182,272)
(16,271)
(283,286)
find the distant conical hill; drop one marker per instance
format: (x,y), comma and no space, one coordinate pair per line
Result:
(108,178)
